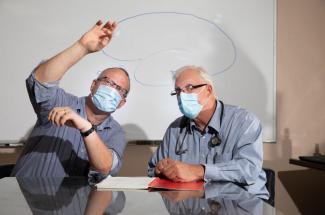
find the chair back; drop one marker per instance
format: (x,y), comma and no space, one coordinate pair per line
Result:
(270,184)
(5,170)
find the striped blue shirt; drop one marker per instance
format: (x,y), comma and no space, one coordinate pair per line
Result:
(238,158)
(59,151)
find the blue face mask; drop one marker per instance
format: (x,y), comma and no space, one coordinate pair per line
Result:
(188,104)
(106,98)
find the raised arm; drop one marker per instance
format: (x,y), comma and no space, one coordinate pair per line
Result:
(92,41)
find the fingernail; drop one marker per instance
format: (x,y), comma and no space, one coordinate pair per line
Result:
(99,22)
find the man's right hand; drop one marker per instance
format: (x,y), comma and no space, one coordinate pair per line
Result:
(179,171)
(97,37)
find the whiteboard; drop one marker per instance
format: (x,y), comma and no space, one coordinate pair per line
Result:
(234,40)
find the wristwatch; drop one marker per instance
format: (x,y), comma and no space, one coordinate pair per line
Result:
(91,130)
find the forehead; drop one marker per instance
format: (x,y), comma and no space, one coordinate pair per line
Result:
(117,75)
(188,77)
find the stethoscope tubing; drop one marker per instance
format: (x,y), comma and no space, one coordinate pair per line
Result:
(179,147)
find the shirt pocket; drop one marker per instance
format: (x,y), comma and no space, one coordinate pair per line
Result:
(222,157)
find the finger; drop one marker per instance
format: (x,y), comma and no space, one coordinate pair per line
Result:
(169,171)
(157,171)
(59,114)
(114,25)
(68,110)
(169,163)
(160,162)
(57,117)
(107,32)
(171,175)
(108,25)
(53,114)
(105,36)
(64,118)
(161,165)
(50,115)
(174,170)
(98,24)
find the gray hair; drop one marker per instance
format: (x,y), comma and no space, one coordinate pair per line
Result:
(202,73)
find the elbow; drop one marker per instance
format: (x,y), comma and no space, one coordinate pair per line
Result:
(104,169)
(250,175)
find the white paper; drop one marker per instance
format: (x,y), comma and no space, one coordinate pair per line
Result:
(125,183)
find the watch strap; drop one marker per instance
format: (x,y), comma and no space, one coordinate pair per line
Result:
(89,131)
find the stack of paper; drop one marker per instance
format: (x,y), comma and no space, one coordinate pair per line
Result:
(146,183)
(125,183)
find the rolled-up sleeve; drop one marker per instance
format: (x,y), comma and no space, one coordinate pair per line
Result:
(117,144)
(245,163)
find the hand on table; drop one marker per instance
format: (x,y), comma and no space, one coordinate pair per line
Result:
(179,171)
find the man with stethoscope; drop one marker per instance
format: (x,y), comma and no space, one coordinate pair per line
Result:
(212,141)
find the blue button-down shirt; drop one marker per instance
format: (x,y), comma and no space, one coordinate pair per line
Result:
(238,158)
(59,151)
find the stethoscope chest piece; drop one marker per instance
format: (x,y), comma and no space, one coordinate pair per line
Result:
(215,141)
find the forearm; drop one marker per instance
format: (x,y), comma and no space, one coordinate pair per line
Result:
(241,171)
(100,157)
(197,171)
(54,68)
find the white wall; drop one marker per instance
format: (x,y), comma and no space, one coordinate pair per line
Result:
(232,39)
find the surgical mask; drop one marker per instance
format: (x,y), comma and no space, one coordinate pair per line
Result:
(189,105)
(106,98)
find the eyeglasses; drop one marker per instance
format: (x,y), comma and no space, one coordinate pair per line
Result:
(109,82)
(187,89)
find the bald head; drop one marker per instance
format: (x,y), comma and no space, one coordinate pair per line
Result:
(119,75)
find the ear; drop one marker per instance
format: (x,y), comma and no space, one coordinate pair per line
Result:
(122,102)
(209,88)
(92,87)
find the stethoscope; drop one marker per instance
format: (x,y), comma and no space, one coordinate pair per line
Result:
(180,148)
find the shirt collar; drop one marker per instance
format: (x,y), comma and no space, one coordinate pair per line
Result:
(215,120)
(81,108)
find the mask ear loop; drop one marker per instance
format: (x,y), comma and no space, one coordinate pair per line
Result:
(91,93)
(206,100)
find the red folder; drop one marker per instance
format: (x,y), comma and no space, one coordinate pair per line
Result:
(171,185)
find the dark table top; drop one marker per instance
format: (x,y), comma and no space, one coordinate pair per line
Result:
(310,164)
(76,196)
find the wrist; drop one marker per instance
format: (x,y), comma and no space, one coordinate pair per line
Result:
(81,47)
(85,127)
(88,132)
(199,171)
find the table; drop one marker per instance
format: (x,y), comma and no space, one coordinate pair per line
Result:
(309,164)
(76,196)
